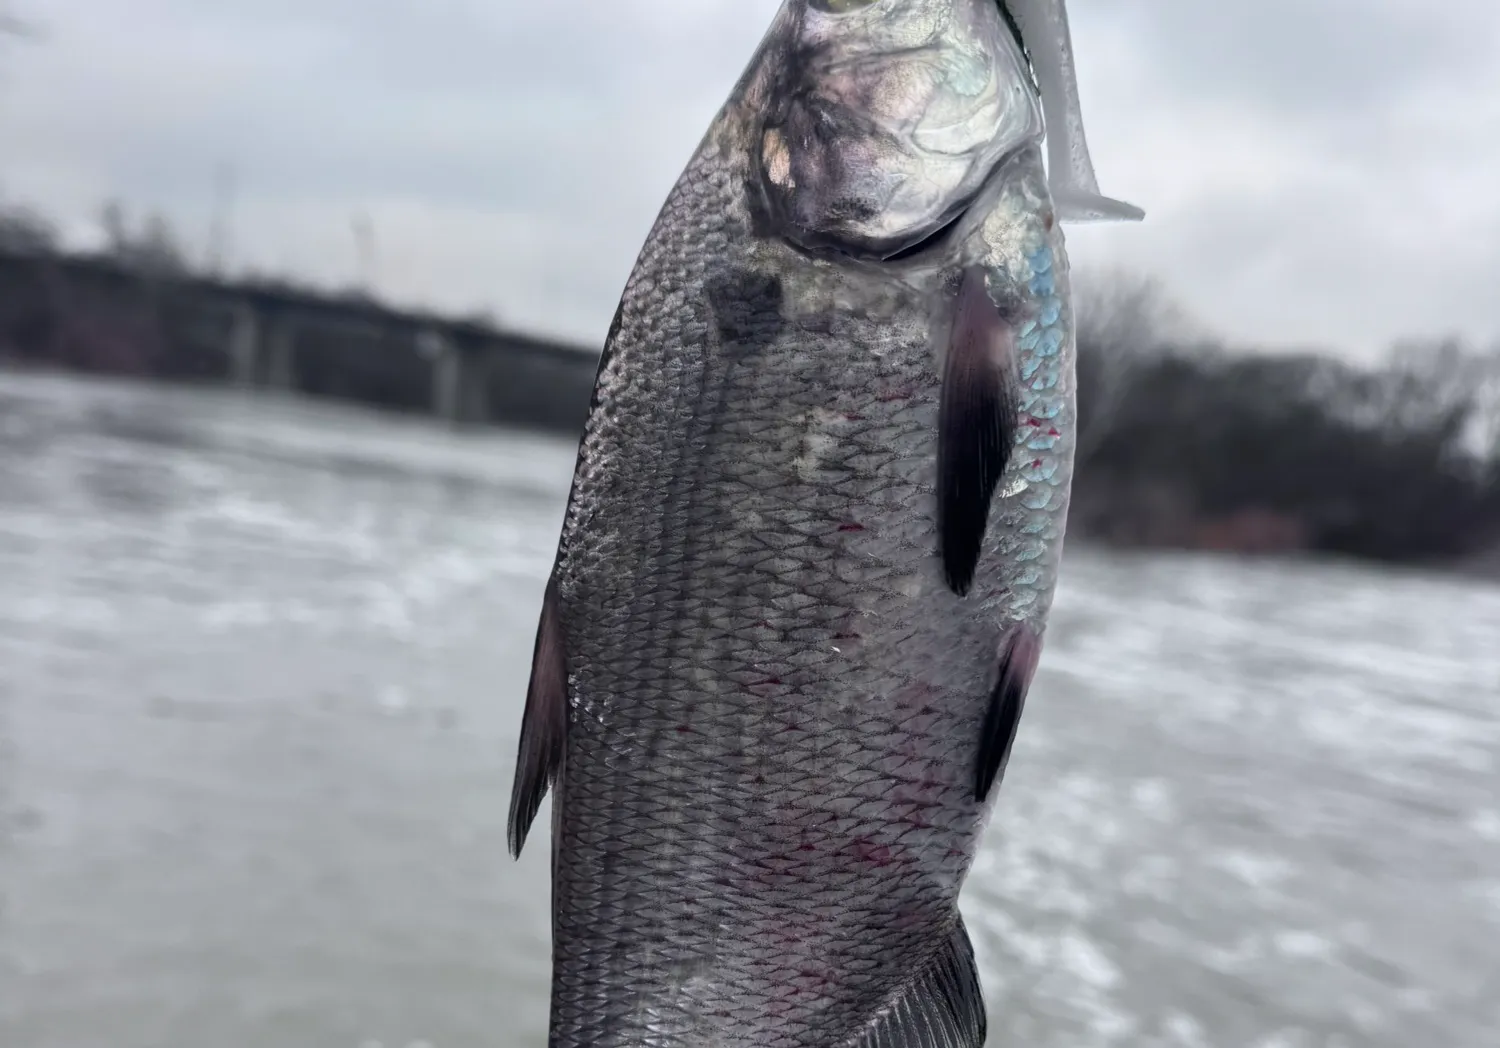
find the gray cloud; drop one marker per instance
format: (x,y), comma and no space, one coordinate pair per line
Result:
(1326,61)
(1315,173)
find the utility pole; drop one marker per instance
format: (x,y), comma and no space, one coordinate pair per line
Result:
(10,25)
(364,248)
(14,28)
(226,185)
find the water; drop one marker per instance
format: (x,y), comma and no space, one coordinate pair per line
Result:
(261,670)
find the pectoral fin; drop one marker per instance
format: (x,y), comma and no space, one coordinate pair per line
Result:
(544,725)
(976,426)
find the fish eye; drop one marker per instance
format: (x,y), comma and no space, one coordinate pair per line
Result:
(840,7)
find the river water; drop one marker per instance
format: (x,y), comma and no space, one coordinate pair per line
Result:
(261,672)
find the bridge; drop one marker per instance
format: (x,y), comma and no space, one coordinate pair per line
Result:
(93,313)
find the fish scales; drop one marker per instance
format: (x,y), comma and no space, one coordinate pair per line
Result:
(772,690)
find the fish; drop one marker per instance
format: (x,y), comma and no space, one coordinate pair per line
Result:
(806,562)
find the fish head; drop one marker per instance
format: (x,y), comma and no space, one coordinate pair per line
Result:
(880,120)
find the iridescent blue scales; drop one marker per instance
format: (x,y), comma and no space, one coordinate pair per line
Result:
(1027,264)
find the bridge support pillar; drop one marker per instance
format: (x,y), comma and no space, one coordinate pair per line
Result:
(281,364)
(244,346)
(450,377)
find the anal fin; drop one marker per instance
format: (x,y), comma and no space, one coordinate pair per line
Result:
(977,419)
(544,725)
(943,1007)
(1020,649)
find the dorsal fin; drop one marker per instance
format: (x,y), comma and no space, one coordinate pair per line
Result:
(976,426)
(943,1007)
(544,725)
(1020,648)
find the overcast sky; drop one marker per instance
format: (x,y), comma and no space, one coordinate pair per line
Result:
(1316,172)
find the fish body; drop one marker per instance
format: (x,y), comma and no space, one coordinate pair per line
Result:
(809,551)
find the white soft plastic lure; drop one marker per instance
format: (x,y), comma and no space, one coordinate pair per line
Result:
(1070,171)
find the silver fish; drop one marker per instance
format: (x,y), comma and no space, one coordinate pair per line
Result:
(810,547)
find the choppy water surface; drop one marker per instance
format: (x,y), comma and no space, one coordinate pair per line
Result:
(261,669)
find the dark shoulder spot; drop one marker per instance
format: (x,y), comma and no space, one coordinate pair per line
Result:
(746,307)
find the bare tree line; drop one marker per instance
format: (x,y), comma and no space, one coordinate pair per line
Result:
(1186,440)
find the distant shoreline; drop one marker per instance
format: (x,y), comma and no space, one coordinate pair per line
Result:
(1248,534)
(1197,447)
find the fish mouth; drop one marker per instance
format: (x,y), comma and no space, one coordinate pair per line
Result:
(1015,32)
(1012,24)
